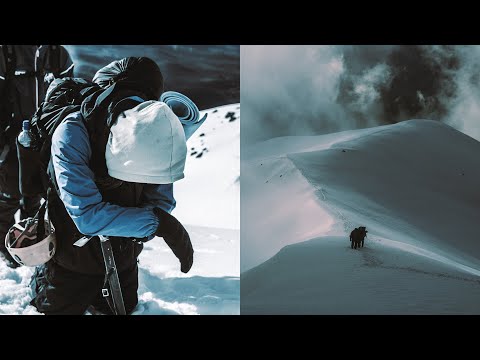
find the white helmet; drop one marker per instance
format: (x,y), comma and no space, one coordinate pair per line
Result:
(21,242)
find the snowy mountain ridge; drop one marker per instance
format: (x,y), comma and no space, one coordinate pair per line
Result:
(414,185)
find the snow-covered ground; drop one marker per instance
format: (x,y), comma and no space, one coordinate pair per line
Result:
(209,206)
(414,185)
(211,287)
(209,195)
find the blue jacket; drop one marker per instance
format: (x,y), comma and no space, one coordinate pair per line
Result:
(71,154)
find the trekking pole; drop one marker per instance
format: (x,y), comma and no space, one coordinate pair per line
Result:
(111,276)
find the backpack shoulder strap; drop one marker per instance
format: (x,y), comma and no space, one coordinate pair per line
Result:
(98,128)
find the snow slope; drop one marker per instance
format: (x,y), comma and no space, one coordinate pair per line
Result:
(413,184)
(208,205)
(209,195)
(325,276)
(212,286)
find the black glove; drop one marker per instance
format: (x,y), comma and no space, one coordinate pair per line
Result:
(176,237)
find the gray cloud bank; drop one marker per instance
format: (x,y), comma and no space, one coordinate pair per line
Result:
(304,90)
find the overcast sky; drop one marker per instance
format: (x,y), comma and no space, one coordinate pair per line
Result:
(304,90)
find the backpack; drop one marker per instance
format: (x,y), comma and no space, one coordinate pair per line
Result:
(64,97)
(99,108)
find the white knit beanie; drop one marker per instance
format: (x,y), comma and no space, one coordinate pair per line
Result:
(147,145)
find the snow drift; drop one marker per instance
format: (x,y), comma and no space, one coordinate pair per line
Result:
(414,185)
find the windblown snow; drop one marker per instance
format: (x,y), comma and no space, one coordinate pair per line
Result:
(414,185)
(208,203)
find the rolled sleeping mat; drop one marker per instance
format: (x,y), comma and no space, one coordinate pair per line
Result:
(186,111)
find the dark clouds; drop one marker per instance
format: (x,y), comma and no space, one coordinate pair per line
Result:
(209,74)
(300,90)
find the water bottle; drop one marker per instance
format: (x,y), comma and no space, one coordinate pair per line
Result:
(26,138)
